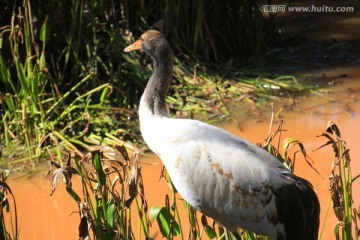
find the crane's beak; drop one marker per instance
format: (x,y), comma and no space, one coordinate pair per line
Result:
(135,46)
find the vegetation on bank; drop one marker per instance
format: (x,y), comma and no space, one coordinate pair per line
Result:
(66,85)
(64,74)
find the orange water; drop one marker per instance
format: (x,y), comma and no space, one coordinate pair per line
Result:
(55,217)
(309,119)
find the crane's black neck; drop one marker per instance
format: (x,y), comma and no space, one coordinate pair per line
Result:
(158,86)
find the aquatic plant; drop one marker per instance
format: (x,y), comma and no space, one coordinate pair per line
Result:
(112,191)
(341,181)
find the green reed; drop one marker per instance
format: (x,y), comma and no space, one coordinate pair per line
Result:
(200,28)
(341,182)
(53,72)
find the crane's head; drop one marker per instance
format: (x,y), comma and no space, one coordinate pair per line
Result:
(151,42)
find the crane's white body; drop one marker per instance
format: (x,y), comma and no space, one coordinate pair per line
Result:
(221,175)
(227,178)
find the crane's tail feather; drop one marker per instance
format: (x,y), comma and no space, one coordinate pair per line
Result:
(298,209)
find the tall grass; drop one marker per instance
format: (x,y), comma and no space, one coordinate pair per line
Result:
(341,181)
(54,75)
(61,62)
(111,195)
(211,30)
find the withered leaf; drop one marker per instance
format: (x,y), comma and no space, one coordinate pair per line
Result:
(124,153)
(132,185)
(337,196)
(64,172)
(333,129)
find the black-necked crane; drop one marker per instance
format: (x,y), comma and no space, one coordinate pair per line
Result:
(223,176)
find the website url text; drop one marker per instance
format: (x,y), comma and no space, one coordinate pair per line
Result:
(307,9)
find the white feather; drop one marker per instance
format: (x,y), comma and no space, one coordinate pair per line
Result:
(221,175)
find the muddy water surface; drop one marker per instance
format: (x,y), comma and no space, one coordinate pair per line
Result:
(308,119)
(42,216)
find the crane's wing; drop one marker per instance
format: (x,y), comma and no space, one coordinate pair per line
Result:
(227,178)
